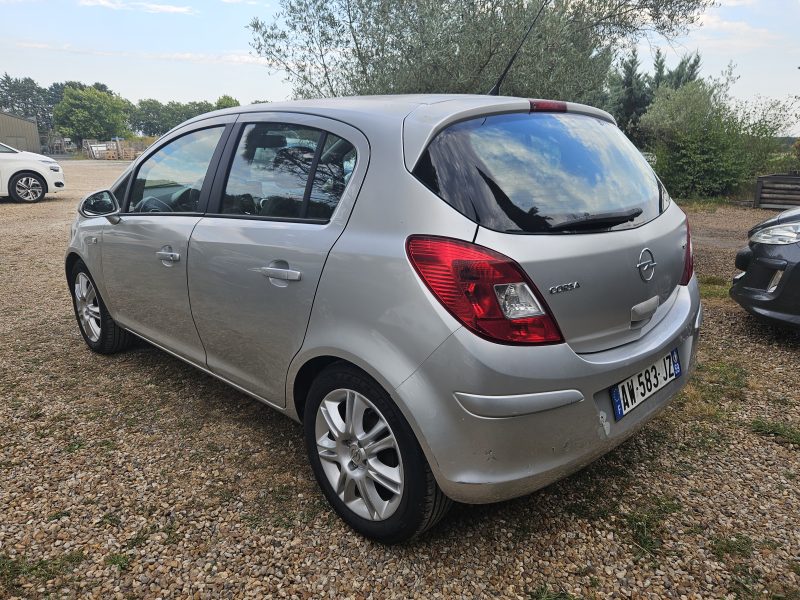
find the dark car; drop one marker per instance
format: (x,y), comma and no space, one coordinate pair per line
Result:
(770,284)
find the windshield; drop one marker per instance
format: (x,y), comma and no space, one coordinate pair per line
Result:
(541,172)
(8,149)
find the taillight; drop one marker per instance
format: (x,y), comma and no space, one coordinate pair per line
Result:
(548,106)
(486,291)
(688,261)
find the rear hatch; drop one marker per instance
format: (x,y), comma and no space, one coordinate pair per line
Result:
(575,204)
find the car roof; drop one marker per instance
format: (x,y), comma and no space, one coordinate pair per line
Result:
(417,117)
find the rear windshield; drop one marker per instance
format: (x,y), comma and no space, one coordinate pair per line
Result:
(540,172)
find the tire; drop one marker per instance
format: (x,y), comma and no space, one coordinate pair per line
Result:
(98,329)
(27,187)
(374,451)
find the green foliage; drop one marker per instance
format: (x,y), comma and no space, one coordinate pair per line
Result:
(630,96)
(777,429)
(739,545)
(25,98)
(631,92)
(153,118)
(90,114)
(706,144)
(226,102)
(14,570)
(343,47)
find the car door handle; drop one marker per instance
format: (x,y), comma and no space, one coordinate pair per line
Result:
(280,273)
(168,256)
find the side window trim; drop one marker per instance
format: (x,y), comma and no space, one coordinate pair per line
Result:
(223,169)
(312,172)
(207,181)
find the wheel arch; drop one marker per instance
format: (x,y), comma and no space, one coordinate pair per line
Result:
(70,261)
(300,384)
(306,367)
(29,171)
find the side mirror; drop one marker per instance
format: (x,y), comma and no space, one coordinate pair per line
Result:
(100,204)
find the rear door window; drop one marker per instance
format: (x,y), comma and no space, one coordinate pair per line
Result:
(540,172)
(288,172)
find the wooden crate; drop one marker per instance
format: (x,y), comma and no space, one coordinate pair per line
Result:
(777,191)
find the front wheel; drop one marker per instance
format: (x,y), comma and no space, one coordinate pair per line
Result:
(98,329)
(366,459)
(27,187)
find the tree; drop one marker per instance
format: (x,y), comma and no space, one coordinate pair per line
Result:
(687,70)
(90,114)
(706,144)
(25,98)
(226,102)
(630,96)
(342,47)
(659,70)
(148,117)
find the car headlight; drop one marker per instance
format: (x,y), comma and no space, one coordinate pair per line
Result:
(788,233)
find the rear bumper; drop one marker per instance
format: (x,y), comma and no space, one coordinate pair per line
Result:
(751,289)
(498,421)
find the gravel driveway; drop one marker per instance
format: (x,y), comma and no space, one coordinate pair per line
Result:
(137,476)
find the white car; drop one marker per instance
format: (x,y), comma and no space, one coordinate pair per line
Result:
(27,176)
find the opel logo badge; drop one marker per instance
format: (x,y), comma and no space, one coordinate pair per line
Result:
(646,265)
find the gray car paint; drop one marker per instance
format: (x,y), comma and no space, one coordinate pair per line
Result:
(372,309)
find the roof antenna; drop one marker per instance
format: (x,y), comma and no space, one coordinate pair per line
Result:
(495,91)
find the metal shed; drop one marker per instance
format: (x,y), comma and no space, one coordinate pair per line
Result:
(19,133)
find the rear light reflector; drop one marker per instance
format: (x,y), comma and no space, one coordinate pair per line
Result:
(486,291)
(548,106)
(688,261)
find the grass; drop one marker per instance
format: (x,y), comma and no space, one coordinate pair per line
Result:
(111,519)
(739,545)
(75,445)
(57,515)
(121,561)
(543,592)
(709,205)
(141,536)
(712,286)
(13,570)
(782,431)
(646,524)
(703,401)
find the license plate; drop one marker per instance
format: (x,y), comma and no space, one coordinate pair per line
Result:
(630,393)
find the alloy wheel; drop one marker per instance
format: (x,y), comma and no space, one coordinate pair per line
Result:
(87,305)
(29,189)
(359,454)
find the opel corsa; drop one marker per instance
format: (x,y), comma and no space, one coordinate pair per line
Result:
(461,298)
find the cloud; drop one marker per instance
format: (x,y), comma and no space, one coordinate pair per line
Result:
(231,58)
(733,36)
(149,7)
(164,8)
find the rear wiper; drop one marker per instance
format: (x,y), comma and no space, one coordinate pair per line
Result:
(598,221)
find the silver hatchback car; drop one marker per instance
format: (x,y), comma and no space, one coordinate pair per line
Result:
(459,297)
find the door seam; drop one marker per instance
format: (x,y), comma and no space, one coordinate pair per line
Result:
(189,294)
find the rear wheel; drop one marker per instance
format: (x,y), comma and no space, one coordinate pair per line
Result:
(98,329)
(366,459)
(27,187)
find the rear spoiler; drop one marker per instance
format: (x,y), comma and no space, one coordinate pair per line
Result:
(424,122)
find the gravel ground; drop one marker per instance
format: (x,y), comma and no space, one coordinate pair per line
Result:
(138,476)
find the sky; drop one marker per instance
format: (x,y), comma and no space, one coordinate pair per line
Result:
(199,50)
